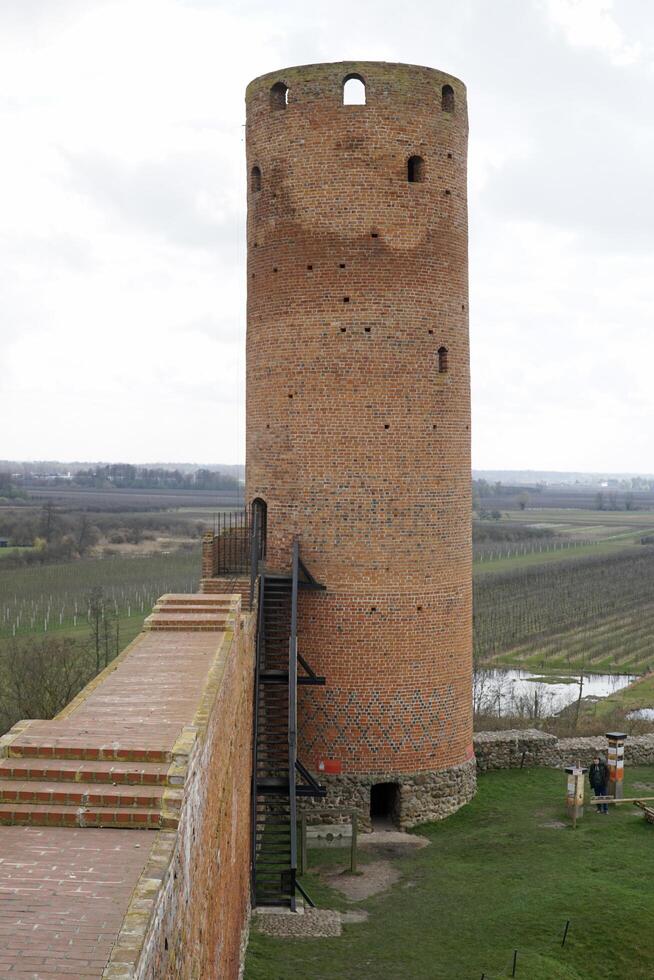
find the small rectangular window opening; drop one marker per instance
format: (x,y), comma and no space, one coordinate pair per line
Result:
(442,360)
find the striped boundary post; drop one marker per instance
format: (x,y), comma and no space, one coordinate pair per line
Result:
(616,764)
(575,792)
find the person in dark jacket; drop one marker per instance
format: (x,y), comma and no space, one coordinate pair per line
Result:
(598,776)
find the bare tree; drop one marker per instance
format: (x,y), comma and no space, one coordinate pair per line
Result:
(41,677)
(95,599)
(49,523)
(86,535)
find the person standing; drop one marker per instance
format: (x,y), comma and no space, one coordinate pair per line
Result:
(598,776)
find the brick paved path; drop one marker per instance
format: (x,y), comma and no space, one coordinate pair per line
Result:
(63,896)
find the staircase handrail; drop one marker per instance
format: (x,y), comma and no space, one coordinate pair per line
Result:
(292,717)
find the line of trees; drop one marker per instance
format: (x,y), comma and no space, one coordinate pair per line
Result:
(41,676)
(127,476)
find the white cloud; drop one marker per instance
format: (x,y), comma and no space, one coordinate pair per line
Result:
(122,283)
(592,24)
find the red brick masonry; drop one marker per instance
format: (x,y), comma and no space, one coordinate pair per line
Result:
(358,427)
(157,741)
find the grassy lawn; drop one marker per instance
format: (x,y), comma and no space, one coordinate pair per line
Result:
(495,878)
(13,551)
(640,694)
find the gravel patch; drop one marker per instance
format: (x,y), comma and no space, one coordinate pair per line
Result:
(311,924)
(373,878)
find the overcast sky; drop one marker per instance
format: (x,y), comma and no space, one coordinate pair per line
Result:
(122,211)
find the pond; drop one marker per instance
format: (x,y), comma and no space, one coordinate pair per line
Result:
(641,714)
(512,691)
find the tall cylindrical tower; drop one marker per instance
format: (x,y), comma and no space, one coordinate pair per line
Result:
(358,415)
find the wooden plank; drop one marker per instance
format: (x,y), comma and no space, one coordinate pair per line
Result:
(627,799)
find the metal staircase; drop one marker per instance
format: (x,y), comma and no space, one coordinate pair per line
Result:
(278,775)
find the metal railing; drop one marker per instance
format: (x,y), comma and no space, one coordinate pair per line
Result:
(292,719)
(231,543)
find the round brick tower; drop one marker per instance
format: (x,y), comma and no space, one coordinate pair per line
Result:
(358,417)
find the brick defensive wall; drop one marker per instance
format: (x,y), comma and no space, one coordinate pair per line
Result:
(358,413)
(125,821)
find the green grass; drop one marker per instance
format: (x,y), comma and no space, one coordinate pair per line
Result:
(13,551)
(495,879)
(128,628)
(640,694)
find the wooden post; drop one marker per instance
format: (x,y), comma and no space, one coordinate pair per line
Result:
(565,932)
(616,763)
(353,846)
(303,843)
(575,792)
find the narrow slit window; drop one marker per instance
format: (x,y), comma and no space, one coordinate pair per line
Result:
(415,170)
(447,98)
(255,179)
(279,96)
(354,90)
(442,360)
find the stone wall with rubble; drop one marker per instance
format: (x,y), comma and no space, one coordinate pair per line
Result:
(518,749)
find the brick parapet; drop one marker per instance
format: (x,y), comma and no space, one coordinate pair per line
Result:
(218,585)
(190,909)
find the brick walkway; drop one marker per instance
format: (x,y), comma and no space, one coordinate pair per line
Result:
(63,896)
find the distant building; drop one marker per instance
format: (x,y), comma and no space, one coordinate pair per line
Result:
(4,542)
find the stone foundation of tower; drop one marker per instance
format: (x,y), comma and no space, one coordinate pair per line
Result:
(422,796)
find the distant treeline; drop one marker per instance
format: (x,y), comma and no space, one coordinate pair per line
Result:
(489,499)
(508,531)
(52,534)
(125,476)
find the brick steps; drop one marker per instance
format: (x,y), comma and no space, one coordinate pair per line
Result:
(76,792)
(76,770)
(80,794)
(195,599)
(44,815)
(188,608)
(186,621)
(35,748)
(190,612)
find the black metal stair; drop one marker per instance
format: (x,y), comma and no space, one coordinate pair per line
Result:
(275,766)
